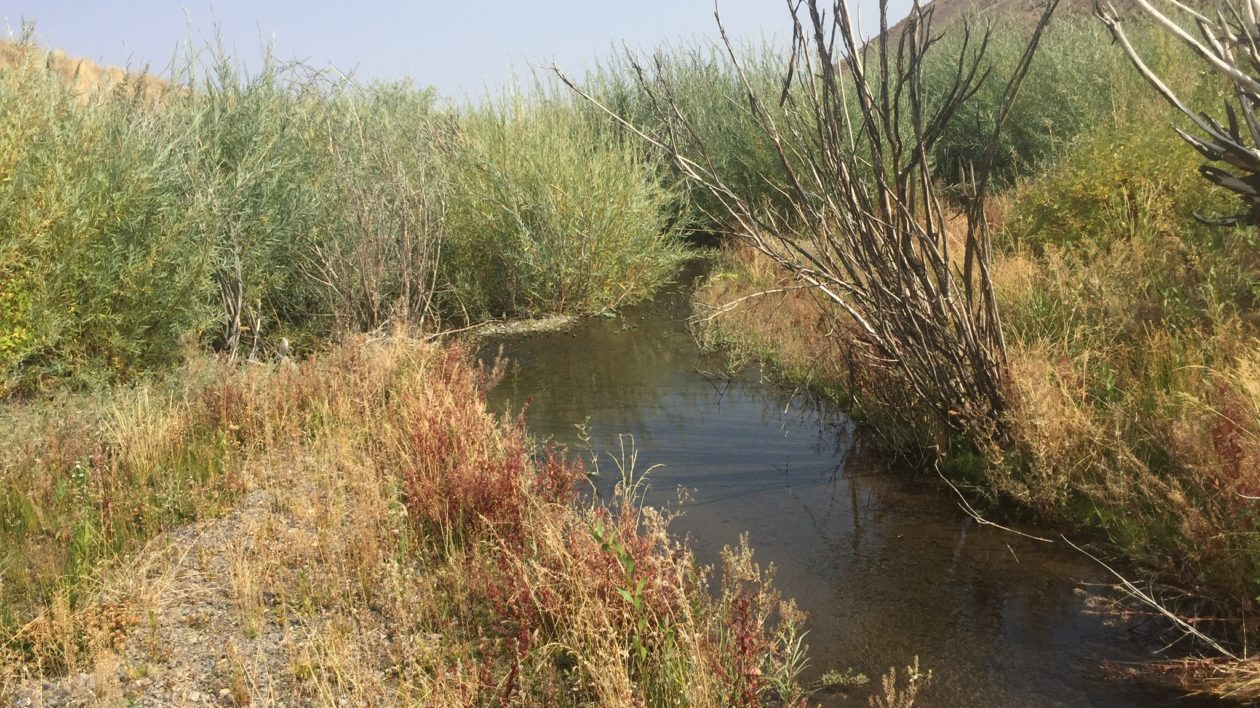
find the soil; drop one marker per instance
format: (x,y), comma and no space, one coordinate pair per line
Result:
(193,644)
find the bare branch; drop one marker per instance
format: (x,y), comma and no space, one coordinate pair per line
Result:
(727,307)
(966,506)
(1145,598)
(1233,30)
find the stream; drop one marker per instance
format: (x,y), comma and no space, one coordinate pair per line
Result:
(885,563)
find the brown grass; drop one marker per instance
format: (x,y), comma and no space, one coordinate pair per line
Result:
(393,542)
(1135,383)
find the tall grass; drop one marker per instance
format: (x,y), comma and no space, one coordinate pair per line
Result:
(1135,328)
(1077,85)
(1070,87)
(256,181)
(711,91)
(324,200)
(209,211)
(388,179)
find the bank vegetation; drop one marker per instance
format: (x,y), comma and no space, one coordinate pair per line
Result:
(224,281)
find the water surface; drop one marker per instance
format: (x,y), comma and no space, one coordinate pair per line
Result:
(885,563)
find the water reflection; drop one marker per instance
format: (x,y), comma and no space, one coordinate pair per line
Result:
(887,566)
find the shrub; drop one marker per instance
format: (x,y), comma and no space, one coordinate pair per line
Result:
(551,214)
(258,186)
(388,197)
(711,93)
(100,266)
(1078,84)
(229,208)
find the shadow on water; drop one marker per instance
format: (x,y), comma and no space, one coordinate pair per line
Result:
(885,564)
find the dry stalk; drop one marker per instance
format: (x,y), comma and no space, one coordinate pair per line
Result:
(719,311)
(1147,599)
(866,225)
(1231,46)
(386,272)
(975,515)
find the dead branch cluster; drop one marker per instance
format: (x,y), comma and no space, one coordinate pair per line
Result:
(854,126)
(387,270)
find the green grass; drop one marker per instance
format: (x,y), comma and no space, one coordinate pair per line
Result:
(85,477)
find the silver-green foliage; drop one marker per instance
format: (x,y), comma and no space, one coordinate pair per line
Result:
(551,213)
(706,86)
(101,264)
(229,207)
(255,182)
(1077,83)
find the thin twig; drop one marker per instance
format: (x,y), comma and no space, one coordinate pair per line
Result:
(735,303)
(448,332)
(1154,604)
(966,506)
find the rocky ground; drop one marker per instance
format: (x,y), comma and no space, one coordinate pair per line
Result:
(194,645)
(234,610)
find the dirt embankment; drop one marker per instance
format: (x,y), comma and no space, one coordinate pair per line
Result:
(84,74)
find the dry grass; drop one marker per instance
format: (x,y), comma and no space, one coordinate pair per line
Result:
(1135,377)
(393,542)
(791,318)
(901,688)
(1135,384)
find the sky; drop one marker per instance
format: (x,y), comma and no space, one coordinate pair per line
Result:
(461,48)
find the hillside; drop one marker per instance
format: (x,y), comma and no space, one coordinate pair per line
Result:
(947,13)
(84,73)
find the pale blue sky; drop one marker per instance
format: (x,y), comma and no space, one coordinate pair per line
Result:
(458,47)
